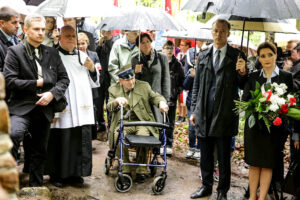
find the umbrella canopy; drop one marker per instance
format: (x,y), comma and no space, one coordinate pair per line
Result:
(193,31)
(18,5)
(256,24)
(76,8)
(274,9)
(235,41)
(140,18)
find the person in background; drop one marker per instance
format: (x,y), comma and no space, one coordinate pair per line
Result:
(103,51)
(191,56)
(121,54)
(74,23)
(86,25)
(51,37)
(194,145)
(181,56)
(176,78)
(9,25)
(152,67)
(70,141)
(83,43)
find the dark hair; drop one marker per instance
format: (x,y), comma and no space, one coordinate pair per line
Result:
(222,21)
(142,35)
(168,43)
(187,42)
(267,45)
(6,13)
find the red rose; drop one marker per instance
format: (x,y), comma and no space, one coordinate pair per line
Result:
(284,109)
(293,100)
(277,121)
(269,92)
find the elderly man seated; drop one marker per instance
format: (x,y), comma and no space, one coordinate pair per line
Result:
(136,97)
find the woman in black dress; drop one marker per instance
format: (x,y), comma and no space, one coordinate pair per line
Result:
(260,145)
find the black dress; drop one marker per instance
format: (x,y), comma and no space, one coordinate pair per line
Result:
(261,147)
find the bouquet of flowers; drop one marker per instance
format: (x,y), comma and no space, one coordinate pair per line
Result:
(269,103)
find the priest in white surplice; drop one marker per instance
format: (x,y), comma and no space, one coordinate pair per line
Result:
(70,142)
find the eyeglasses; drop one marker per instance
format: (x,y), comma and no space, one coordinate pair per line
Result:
(50,22)
(168,48)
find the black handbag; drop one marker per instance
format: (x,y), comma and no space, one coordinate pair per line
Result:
(291,181)
(60,105)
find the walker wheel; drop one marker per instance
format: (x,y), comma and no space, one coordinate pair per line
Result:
(107,165)
(153,170)
(125,185)
(158,185)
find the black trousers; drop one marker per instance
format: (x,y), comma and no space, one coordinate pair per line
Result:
(169,132)
(38,126)
(207,146)
(103,97)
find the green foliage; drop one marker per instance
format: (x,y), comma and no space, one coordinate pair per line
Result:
(208,17)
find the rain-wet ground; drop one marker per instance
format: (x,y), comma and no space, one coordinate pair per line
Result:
(183,179)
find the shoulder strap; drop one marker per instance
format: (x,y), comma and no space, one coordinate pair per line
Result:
(162,66)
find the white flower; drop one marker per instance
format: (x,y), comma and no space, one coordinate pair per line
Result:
(274,107)
(274,98)
(274,85)
(283,86)
(279,91)
(280,101)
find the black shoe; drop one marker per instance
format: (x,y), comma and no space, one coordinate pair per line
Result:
(140,178)
(202,192)
(57,182)
(222,196)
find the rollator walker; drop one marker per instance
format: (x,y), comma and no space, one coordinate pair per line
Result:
(123,182)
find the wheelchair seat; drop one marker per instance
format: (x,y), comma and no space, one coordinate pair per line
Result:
(142,141)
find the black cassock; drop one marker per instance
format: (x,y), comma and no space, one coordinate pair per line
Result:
(70,152)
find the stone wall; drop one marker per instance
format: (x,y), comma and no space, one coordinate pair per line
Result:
(9,179)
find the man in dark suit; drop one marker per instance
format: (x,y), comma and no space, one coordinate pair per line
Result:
(219,73)
(37,80)
(9,24)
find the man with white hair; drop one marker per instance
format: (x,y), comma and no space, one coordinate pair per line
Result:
(37,79)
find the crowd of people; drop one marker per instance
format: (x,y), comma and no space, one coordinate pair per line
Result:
(59,82)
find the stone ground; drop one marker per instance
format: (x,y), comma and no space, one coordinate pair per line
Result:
(182,180)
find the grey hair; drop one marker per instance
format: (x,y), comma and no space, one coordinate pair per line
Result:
(66,27)
(33,17)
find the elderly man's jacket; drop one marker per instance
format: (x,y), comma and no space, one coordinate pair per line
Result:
(21,79)
(224,121)
(142,96)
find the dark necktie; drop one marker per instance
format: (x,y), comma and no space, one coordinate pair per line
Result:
(217,61)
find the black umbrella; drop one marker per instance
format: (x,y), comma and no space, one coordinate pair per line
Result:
(34,2)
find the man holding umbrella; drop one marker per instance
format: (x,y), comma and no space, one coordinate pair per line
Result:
(219,73)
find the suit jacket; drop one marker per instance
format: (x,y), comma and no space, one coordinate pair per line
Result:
(224,121)
(4,44)
(142,96)
(283,77)
(296,75)
(21,78)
